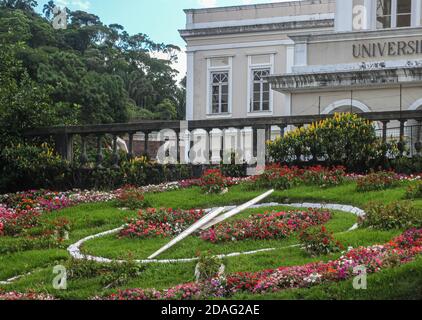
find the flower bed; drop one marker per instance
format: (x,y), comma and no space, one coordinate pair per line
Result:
(15,296)
(377,181)
(284,177)
(376,258)
(160,223)
(273,225)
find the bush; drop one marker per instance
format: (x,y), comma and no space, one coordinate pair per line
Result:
(377,181)
(324,177)
(345,139)
(132,198)
(208,267)
(111,274)
(32,167)
(275,177)
(414,191)
(396,215)
(319,241)
(213,181)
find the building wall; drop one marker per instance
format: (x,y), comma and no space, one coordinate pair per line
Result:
(376,99)
(262,11)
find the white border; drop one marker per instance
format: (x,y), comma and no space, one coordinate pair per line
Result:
(251,68)
(210,69)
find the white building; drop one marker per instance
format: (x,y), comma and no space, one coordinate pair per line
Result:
(304,58)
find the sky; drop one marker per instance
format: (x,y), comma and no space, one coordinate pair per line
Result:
(159,19)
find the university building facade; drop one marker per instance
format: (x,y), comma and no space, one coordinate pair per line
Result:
(304,58)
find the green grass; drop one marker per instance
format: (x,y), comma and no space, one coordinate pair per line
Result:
(403,282)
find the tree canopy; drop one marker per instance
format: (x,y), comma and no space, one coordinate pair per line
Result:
(87,73)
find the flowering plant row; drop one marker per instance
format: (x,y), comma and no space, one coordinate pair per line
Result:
(16,296)
(377,181)
(376,258)
(284,177)
(160,223)
(22,211)
(267,226)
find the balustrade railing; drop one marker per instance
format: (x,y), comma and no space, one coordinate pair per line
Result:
(65,136)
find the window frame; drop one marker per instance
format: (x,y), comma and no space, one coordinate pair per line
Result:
(210,72)
(395,15)
(251,69)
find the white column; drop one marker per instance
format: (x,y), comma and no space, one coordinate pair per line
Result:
(190,84)
(416,12)
(344,16)
(301,54)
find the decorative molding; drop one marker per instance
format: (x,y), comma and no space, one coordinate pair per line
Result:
(346,102)
(260,21)
(416,105)
(227,46)
(346,79)
(280,27)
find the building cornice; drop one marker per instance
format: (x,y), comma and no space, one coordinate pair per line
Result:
(259,6)
(286,26)
(345,79)
(355,35)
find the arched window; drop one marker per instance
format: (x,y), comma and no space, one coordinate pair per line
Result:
(346,105)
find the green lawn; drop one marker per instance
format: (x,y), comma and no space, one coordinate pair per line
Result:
(403,282)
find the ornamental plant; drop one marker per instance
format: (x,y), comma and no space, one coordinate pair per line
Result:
(131,197)
(399,251)
(267,226)
(213,181)
(324,177)
(377,181)
(319,241)
(414,191)
(165,223)
(276,177)
(344,139)
(396,215)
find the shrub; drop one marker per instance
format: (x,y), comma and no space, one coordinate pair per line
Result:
(32,167)
(344,139)
(208,266)
(414,191)
(396,215)
(377,181)
(319,241)
(324,177)
(132,198)
(213,181)
(275,177)
(111,274)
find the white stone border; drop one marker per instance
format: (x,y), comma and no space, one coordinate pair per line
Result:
(75,249)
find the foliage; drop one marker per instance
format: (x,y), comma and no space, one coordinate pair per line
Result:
(284,177)
(273,225)
(400,250)
(29,166)
(395,215)
(345,139)
(213,181)
(274,176)
(324,177)
(414,191)
(88,73)
(377,181)
(319,241)
(208,266)
(162,222)
(131,197)
(111,274)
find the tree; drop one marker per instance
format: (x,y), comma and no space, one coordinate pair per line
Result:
(48,9)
